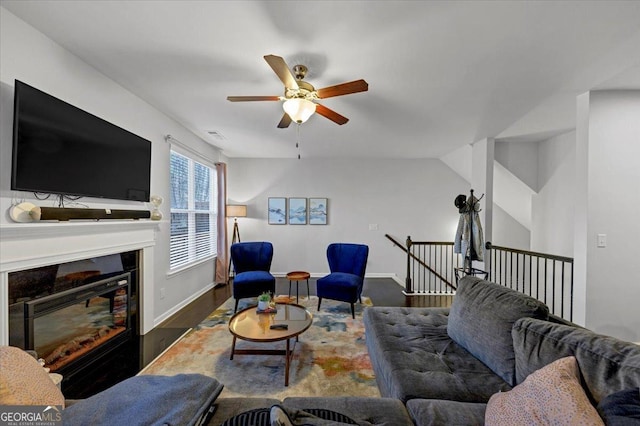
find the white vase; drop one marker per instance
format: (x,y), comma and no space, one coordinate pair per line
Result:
(263,305)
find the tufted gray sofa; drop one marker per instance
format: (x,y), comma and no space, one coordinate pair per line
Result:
(445,364)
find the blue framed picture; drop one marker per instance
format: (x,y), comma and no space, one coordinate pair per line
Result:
(277,211)
(297,211)
(318,211)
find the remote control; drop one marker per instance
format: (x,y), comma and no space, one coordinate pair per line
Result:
(279,326)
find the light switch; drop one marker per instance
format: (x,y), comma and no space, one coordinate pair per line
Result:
(373,227)
(602,240)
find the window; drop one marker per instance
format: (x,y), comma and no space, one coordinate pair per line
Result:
(193,211)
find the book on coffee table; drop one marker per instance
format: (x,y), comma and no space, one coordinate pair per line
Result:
(270,310)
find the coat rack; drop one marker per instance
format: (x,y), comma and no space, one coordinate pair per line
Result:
(473,250)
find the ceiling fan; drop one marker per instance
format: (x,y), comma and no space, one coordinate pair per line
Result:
(299,96)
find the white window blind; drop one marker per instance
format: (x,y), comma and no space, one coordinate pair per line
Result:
(193,211)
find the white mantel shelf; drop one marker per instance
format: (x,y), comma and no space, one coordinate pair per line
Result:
(21,230)
(30,245)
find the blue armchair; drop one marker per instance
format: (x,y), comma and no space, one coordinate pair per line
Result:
(347,263)
(252,262)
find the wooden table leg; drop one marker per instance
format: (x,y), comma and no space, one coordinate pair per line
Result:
(286,368)
(233,347)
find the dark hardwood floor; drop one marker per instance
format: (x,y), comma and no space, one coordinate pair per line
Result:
(144,349)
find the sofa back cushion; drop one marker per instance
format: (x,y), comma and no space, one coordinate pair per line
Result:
(607,364)
(481,317)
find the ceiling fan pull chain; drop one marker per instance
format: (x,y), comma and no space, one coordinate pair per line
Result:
(298,140)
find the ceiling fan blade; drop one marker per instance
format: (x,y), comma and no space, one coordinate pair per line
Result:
(284,123)
(343,89)
(252,98)
(280,67)
(331,114)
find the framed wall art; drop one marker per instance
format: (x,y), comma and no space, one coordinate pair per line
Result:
(277,211)
(318,211)
(297,211)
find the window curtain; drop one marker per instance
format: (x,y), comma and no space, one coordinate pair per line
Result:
(222,259)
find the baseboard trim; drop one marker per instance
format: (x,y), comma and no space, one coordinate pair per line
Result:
(164,317)
(163,352)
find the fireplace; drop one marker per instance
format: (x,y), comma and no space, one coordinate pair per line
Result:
(74,313)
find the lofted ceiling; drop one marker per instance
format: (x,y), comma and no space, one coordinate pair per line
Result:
(441,74)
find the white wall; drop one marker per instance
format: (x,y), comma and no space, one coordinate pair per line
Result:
(613,149)
(553,207)
(521,159)
(512,195)
(508,232)
(29,56)
(401,197)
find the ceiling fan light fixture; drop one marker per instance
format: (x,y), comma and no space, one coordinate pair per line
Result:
(299,109)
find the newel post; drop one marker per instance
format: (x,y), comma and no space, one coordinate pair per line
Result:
(407,282)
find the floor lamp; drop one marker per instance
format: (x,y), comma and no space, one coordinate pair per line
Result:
(235,211)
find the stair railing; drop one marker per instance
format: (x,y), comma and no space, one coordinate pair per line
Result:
(430,266)
(547,277)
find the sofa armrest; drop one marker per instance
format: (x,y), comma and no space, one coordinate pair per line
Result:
(434,412)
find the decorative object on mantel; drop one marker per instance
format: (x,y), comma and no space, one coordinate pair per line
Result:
(156,214)
(24,212)
(27,212)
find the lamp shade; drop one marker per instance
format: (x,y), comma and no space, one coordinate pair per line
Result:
(236,211)
(299,109)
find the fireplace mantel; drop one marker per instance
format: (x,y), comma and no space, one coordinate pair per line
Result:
(31,245)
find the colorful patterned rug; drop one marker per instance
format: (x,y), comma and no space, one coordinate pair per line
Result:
(330,358)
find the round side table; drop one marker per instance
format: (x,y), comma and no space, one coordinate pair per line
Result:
(298,276)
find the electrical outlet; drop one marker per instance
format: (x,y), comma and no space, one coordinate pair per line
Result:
(162,293)
(373,227)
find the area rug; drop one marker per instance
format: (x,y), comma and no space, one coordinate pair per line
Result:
(330,358)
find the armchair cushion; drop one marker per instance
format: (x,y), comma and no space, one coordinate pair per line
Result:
(347,263)
(252,284)
(252,256)
(347,257)
(252,261)
(340,286)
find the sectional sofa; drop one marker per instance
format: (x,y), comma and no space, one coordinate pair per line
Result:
(446,364)
(495,356)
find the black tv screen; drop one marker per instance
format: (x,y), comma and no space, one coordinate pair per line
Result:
(61,149)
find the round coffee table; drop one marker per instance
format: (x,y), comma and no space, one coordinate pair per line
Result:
(249,325)
(298,276)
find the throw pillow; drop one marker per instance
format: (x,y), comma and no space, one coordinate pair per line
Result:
(23,381)
(551,395)
(480,320)
(621,408)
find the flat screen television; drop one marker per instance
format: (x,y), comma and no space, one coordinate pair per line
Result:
(61,149)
